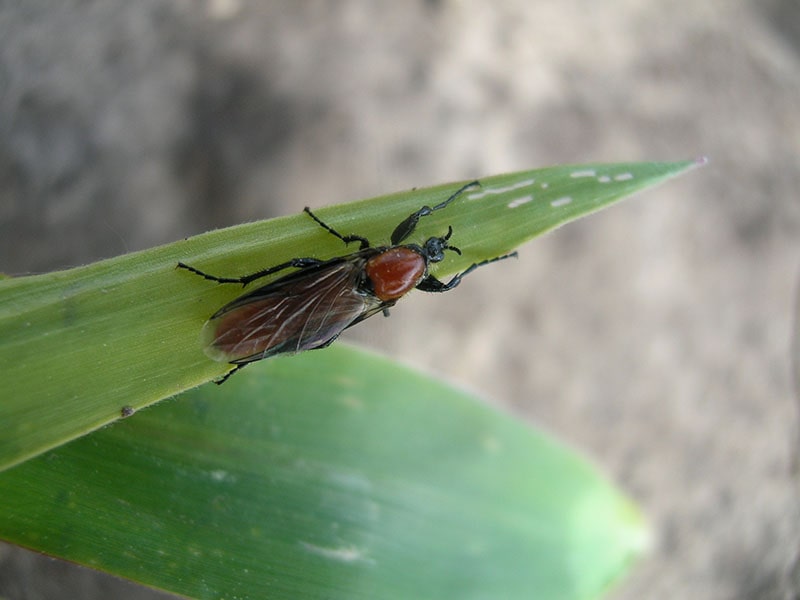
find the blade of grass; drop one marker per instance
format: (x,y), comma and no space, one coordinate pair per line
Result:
(366,480)
(79,346)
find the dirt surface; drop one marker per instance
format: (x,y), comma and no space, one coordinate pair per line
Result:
(655,336)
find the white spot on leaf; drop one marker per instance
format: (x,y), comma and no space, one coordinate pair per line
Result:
(500,190)
(346,554)
(561,201)
(220,475)
(520,201)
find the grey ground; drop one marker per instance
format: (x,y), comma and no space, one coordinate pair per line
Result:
(655,336)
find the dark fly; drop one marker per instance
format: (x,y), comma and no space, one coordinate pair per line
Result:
(311,306)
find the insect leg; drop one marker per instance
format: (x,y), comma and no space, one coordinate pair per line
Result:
(225,377)
(407,226)
(431,284)
(345,238)
(298,263)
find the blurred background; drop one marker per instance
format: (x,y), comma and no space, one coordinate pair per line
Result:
(656,337)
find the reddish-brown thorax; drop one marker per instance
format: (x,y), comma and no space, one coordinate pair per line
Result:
(395,272)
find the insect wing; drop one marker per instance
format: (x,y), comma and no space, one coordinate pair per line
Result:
(305,310)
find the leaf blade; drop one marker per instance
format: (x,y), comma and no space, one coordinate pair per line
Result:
(79,346)
(367,480)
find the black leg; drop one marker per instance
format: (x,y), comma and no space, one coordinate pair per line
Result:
(225,377)
(407,226)
(297,263)
(347,239)
(431,284)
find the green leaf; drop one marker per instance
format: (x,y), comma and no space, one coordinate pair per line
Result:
(78,347)
(332,474)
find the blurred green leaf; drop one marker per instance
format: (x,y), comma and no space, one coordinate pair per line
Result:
(332,474)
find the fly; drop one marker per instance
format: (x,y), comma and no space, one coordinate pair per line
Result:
(311,306)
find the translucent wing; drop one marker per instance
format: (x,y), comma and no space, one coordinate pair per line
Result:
(305,310)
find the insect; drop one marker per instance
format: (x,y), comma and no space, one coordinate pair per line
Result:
(309,307)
